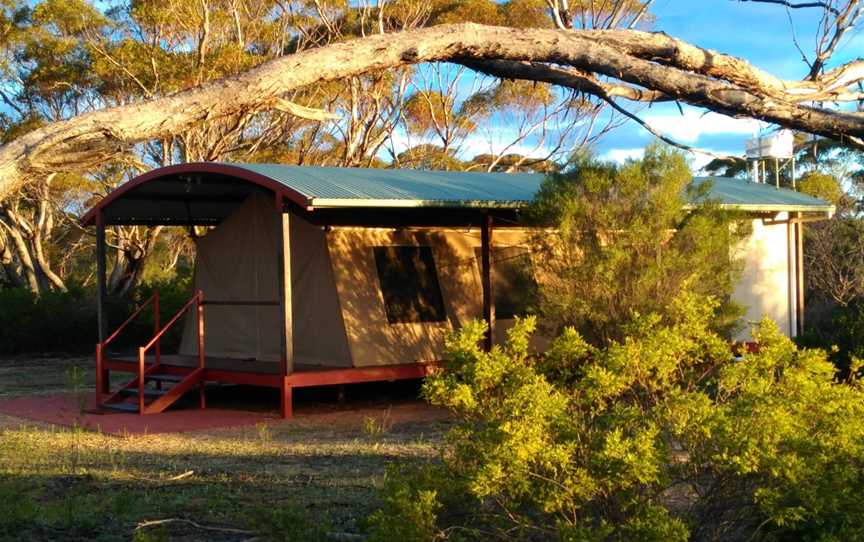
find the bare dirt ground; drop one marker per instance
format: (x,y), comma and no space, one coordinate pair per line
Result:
(323,468)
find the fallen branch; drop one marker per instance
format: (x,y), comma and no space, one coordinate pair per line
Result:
(637,65)
(186,474)
(211,528)
(336,536)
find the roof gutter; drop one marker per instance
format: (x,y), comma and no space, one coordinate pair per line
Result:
(339,203)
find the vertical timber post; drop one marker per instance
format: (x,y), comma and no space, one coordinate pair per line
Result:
(202,351)
(156,328)
(486,263)
(799,271)
(142,358)
(791,274)
(103,382)
(777,172)
(283,266)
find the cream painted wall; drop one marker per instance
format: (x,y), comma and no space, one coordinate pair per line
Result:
(764,285)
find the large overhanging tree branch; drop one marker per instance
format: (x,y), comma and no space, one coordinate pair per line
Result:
(628,64)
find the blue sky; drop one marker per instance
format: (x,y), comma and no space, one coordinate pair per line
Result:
(760,33)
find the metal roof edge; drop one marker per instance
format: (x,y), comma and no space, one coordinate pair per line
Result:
(343,203)
(322,203)
(773,207)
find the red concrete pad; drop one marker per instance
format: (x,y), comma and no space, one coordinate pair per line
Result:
(65,410)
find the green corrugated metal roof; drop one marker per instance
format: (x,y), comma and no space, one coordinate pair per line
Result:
(358,187)
(750,196)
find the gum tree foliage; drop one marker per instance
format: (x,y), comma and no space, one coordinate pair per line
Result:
(834,248)
(626,240)
(660,436)
(593,49)
(61,59)
(834,266)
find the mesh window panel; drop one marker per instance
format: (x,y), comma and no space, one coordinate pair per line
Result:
(409,282)
(513,285)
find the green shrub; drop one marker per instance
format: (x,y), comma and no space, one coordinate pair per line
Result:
(627,238)
(410,508)
(659,436)
(841,332)
(50,322)
(56,322)
(17,506)
(288,522)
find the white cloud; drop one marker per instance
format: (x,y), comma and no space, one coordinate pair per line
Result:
(690,126)
(494,142)
(478,144)
(621,155)
(697,160)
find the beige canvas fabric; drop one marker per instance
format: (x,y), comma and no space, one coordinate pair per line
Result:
(319,331)
(372,339)
(338,308)
(237,261)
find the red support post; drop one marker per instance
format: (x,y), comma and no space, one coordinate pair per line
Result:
(157,350)
(142,353)
(199,310)
(99,374)
(103,377)
(287,398)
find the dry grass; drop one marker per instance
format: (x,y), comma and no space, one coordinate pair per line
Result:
(61,483)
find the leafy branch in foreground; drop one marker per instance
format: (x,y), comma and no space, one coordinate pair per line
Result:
(659,436)
(629,237)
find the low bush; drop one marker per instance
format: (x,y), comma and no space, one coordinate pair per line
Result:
(659,436)
(56,322)
(841,333)
(17,506)
(51,322)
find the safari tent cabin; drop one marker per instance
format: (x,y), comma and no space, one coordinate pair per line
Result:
(316,276)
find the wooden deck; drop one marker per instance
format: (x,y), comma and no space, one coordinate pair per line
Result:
(213,363)
(268,374)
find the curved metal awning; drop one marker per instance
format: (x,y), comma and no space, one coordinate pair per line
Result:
(207,192)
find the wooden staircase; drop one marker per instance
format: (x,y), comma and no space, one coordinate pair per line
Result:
(160,391)
(155,387)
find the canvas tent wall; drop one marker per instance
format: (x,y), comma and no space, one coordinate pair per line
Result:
(236,263)
(340,310)
(373,337)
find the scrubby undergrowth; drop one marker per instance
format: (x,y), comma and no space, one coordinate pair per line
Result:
(661,436)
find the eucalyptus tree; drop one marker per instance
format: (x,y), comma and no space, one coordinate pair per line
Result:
(613,65)
(153,82)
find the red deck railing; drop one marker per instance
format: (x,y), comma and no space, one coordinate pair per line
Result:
(102,346)
(197,301)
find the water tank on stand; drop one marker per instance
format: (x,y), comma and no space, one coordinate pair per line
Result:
(773,147)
